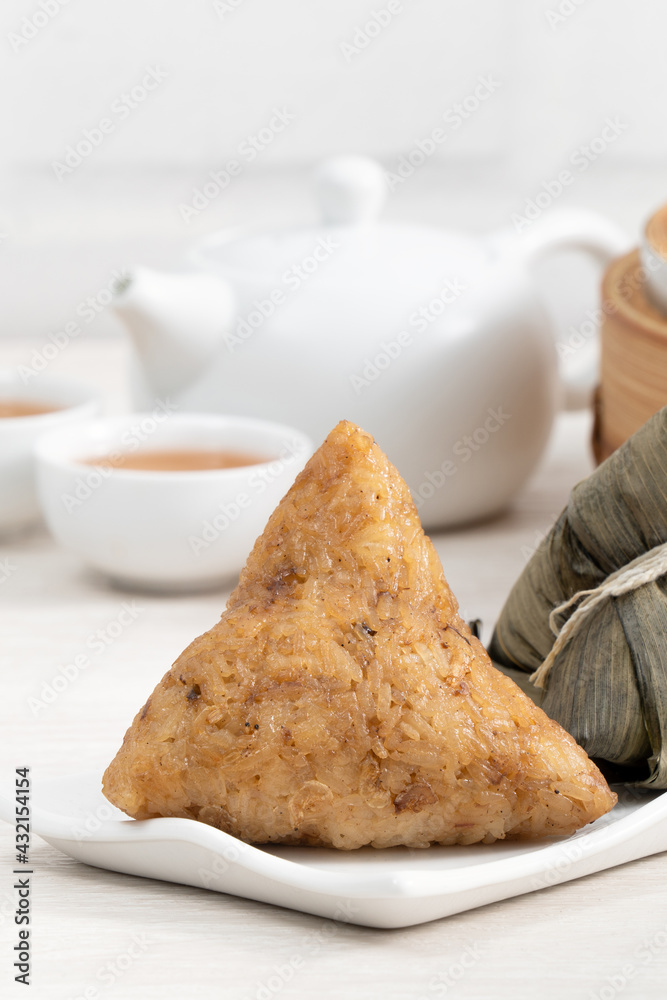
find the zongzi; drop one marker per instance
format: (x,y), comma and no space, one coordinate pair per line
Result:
(603,570)
(341,700)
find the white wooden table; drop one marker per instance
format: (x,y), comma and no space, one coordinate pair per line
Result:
(603,936)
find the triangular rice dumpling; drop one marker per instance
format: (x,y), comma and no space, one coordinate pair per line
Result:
(341,700)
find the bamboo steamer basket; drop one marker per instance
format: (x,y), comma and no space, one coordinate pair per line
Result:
(633,362)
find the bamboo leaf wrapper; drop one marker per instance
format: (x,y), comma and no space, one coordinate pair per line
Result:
(608,684)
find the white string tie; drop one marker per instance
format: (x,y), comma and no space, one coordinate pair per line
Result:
(644,569)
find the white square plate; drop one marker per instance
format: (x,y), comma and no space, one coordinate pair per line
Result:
(398,887)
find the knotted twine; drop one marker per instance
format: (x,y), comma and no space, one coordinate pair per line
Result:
(644,569)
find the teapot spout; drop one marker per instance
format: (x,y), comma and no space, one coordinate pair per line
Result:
(176,322)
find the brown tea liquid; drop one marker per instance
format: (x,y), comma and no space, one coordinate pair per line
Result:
(178,460)
(24,408)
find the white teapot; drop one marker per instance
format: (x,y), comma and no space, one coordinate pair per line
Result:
(433,341)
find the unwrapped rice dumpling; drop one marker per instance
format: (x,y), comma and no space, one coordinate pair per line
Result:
(342,701)
(603,562)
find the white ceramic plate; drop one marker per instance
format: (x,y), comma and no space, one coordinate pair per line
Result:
(391,888)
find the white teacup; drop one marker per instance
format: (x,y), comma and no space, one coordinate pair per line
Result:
(67,403)
(165,530)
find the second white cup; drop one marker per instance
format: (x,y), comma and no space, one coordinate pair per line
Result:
(165,530)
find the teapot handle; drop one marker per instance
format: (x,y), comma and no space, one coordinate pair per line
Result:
(575,229)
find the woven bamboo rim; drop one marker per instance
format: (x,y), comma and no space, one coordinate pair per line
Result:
(656,231)
(633,363)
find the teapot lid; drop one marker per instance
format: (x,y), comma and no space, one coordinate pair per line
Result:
(350,247)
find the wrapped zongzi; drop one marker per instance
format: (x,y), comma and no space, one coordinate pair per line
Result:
(600,580)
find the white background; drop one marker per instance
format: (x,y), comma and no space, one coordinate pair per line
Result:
(562,67)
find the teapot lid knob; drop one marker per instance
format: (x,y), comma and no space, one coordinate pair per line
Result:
(351,189)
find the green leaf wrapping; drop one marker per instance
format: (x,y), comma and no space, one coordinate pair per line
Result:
(608,685)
